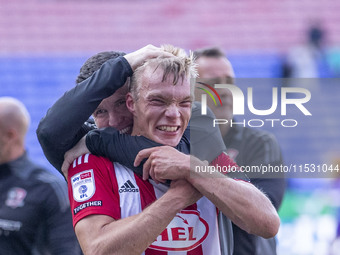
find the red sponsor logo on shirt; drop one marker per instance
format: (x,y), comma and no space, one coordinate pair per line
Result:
(85,175)
(185,232)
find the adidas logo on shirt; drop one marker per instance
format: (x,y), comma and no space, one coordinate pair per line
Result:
(128,187)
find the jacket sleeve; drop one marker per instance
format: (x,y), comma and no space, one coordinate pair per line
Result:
(267,152)
(123,149)
(119,148)
(206,141)
(59,233)
(63,125)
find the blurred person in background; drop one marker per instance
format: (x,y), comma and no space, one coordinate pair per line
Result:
(304,61)
(35,213)
(246,146)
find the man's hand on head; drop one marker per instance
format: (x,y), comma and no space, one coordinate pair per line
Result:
(78,150)
(138,57)
(163,163)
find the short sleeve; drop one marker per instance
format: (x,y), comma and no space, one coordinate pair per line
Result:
(92,188)
(224,164)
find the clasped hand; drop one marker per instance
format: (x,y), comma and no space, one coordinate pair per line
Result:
(163,163)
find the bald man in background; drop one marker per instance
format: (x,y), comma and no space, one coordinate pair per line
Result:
(35,215)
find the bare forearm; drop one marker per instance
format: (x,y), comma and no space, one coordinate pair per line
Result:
(130,235)
(242,202)
(142,230)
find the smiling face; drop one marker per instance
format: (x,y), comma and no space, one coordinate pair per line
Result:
(112,112)
(162,110)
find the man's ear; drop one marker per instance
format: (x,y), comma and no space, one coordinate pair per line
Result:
(130,104)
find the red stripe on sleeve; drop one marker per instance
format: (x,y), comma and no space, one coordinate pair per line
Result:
(227,166)
(99,176)
(225,163)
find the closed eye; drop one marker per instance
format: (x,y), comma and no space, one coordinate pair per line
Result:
(186,103)
(99,112)
(156,101)
(120,103)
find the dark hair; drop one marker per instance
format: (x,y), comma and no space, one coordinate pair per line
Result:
(95,62)
(213,52)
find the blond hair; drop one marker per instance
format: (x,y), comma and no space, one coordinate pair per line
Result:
(181,66)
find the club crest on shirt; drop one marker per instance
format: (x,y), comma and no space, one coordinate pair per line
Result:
(83,185)
(15,197)
(185,232)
